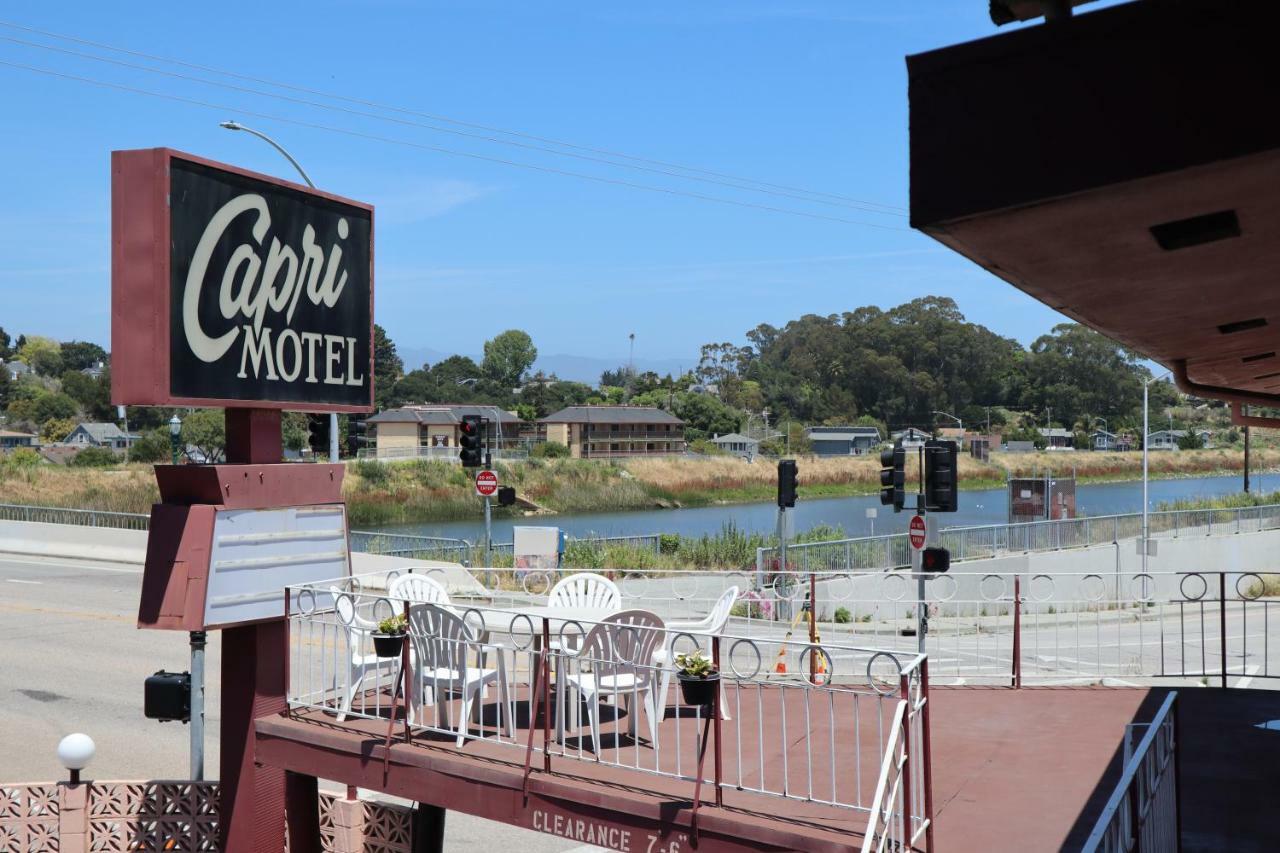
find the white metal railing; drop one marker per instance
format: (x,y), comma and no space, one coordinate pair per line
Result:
(82,517)
(816,731)
(890,551)
(1143,813)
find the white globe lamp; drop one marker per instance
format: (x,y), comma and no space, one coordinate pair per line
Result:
(75,751)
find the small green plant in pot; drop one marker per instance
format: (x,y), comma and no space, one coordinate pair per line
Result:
(699,678)
(388,640)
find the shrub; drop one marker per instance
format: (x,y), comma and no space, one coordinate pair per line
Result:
(94,457)
(373,473)
(549,450)
(843,616)
(23,457)
(155,446)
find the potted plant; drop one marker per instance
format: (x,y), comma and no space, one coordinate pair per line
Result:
(388,640)
(699,678)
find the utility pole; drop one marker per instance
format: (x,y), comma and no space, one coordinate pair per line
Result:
(1244,410)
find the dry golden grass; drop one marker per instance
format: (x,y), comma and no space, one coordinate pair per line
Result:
(130,488)
(676,474)
(1122,466)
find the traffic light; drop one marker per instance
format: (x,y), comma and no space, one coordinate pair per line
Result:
(472,441)
(506,496)
(893,478)
(357,435)
(787,482)
(941,486)
(935,560)
(318,435)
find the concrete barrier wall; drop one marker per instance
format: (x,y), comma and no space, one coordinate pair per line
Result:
(70,541)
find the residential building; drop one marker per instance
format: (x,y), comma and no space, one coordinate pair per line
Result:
(432,430)
(1167,439)
(911,437)
(9,439)
(737,444)
(1102,440)
(1057,438)
(593,432)
(94,371)
(843,440)
(17,369)
(106,435)
(956,434)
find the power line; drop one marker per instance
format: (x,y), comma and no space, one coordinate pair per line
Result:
(417,124)
(861,204)
(440,150)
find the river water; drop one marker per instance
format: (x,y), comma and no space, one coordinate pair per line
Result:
(976,507)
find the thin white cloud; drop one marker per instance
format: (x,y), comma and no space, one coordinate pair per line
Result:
(426,200)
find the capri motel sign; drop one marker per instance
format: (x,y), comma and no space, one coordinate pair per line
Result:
(263,299)
(239,291)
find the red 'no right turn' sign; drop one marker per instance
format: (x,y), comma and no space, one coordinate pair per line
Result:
(916,532)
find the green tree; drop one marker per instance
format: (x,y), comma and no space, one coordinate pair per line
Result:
(56,429)
(152,446)
(6,385)
(77,355)
(526,412)
(387,366)
(1191,440)
(5,352)
(705,416)
(205,430)
(295,429)
(508,356)
(44,355)
(52,405)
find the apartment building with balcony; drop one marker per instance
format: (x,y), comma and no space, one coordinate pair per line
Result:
(601,432)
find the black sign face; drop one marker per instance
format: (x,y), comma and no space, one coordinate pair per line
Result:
(269,292)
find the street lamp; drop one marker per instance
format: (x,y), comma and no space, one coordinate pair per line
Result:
(235,125)
(1146,440)
(959,422)
(175,434)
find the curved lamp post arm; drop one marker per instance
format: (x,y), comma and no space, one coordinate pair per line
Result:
(235,125)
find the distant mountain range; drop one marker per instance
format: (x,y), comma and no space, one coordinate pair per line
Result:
(578,368)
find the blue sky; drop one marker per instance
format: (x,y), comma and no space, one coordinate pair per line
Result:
(809,95)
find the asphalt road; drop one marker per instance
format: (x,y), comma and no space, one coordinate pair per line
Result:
(72,659)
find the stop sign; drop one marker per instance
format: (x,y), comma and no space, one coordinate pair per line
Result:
(916,532)
(486,483)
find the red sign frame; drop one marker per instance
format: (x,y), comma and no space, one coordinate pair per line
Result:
(140,283)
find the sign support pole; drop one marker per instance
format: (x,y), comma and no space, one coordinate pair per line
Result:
(917,566)
(488,531)
(197,639)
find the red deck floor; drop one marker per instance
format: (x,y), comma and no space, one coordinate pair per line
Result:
(1025,770)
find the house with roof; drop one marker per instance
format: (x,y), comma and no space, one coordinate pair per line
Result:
(843,440)
(595,432)
(17,369)
(911,437)
(11,439)
(1100,439)
(106,435)
(1167,439)
(738,444)
(1057,438)
(433,430)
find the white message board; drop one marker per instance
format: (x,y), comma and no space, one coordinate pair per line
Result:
(256,553)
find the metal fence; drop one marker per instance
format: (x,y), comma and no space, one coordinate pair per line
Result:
(877,553)
(816,731)
(1144,811)
(83,517)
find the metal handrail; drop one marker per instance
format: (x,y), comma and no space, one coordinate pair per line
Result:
(1112,832)
(880,834)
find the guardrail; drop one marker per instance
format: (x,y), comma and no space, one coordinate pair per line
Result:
(815,733)
(891,551)
(83,517)
(1144,812)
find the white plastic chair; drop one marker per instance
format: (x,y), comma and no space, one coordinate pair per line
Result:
(585,590)
(418,589)
(615,660)
(704,629)
(441,643)
(359,664)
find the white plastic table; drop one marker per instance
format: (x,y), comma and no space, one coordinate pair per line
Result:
(528,620)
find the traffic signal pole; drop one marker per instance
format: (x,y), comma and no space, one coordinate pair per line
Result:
(917,563)
(488,520)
